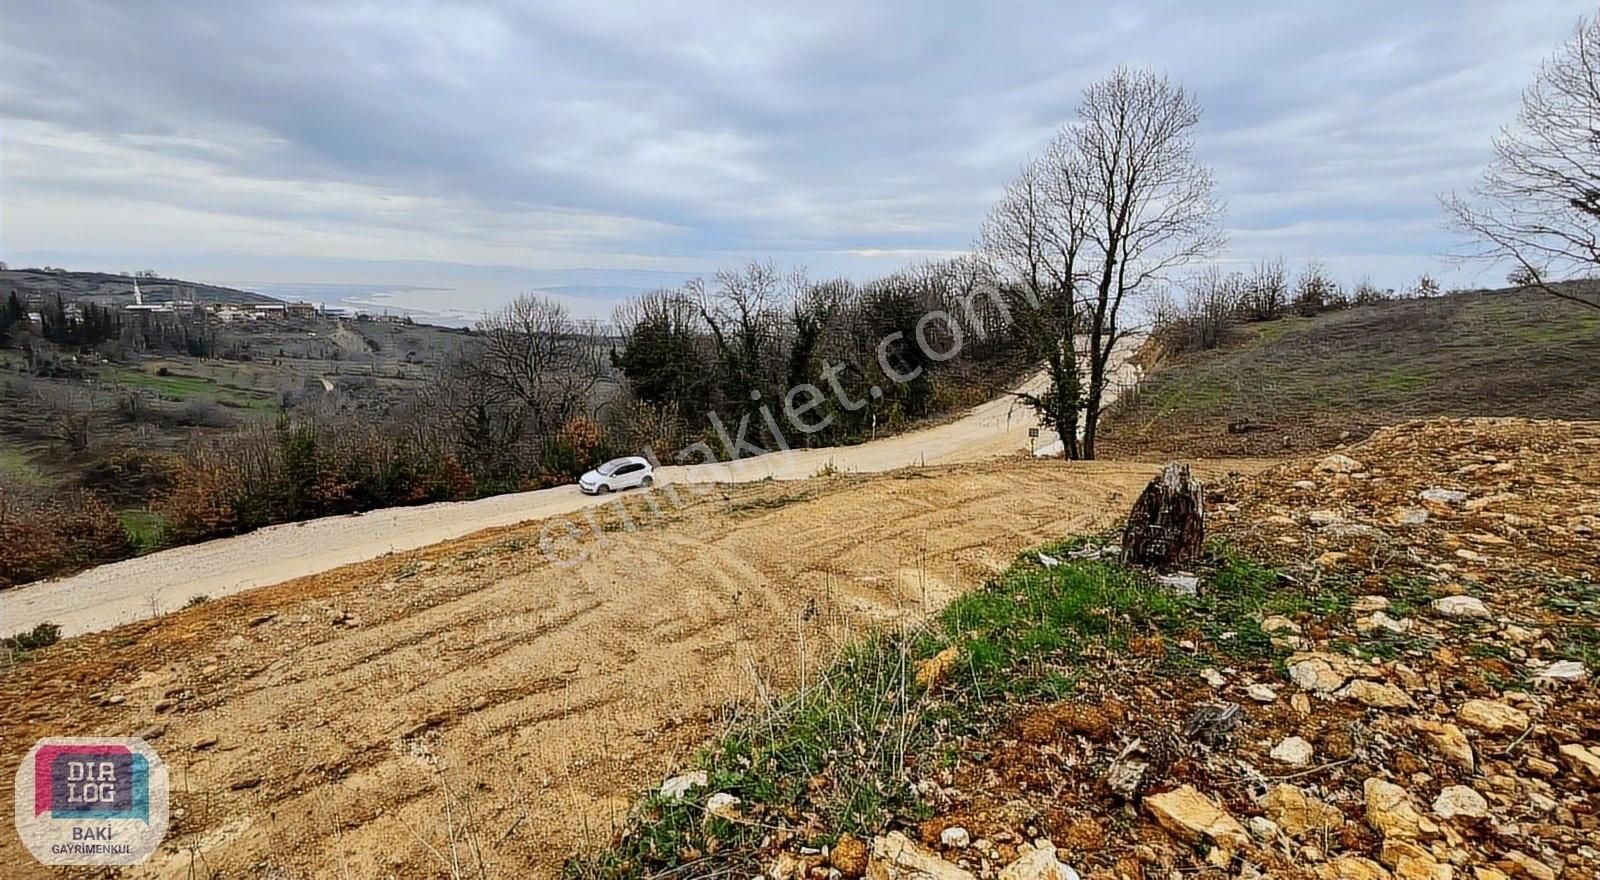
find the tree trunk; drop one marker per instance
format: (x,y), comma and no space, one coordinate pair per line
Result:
(1091,418)
(1065,406)
(1167,524)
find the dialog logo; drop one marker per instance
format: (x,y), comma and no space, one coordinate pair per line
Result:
(91,801)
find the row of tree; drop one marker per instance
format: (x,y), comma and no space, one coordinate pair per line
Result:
(83,325)
(1200,313)
(749,361)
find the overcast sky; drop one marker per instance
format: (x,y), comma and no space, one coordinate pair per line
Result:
(318,143)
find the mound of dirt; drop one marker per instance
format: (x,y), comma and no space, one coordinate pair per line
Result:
(1429,711)
(1492,500)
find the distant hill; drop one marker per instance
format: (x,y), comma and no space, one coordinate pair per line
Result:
(103,288)
(1313,381)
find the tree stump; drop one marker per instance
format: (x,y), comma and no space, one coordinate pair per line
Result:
(1167,524)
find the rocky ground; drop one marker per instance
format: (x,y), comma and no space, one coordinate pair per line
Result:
(1416,698)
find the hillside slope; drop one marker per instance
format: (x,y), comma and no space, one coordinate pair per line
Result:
(1303,383)
(318,721)
(105,288)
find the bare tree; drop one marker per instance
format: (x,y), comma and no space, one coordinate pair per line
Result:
(1033,238)
(745,312)
(1366,293)
(1115,204)
(1267,295)
(1154,209)
(1315,291)
(535,356)
(1538,204)
(1212,301)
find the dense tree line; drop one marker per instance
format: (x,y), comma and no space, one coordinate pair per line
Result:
(755,359)
(12,313)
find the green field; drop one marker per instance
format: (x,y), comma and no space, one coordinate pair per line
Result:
(186,387)
(17,465)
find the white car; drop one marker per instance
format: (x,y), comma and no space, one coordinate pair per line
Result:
(616,474)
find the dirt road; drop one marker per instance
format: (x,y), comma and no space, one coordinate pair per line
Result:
(405,715)
(137,589)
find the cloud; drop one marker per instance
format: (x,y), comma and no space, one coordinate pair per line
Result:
(682,136)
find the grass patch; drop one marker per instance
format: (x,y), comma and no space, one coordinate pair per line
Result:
(1401,380)
(839,749)
(1576,637)
(146,530)
(1313,380)
(1408,595)
(185,387)
(16,465)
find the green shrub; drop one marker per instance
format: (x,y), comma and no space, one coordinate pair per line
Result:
(42,636)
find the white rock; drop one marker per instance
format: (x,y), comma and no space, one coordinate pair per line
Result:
(1459,800)
(1318,675)
(1293,751)
(1182,584)
(1324,517)
(1442,496)
(895,855)
(678,786)
(724,806)
(1520,635)
(1378,620)
(1563,670)
(1262,828)
(1039,863)
(1261,693)
(1339,464)
(1048,561)
(955,837)
(1277,623)
(1410,516)
(1213,677)
(1464,607)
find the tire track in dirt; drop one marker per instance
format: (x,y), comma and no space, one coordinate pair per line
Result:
(520,703)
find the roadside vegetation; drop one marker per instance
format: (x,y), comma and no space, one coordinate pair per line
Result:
(840,756)
(1227,383)
(1341,648)
(132,444)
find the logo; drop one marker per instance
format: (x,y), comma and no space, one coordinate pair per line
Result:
(91,801)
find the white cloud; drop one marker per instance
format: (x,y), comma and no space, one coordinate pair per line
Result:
(680,136)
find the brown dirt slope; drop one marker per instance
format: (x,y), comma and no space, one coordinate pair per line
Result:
(1439,737)
(341,725)
(1303,384)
